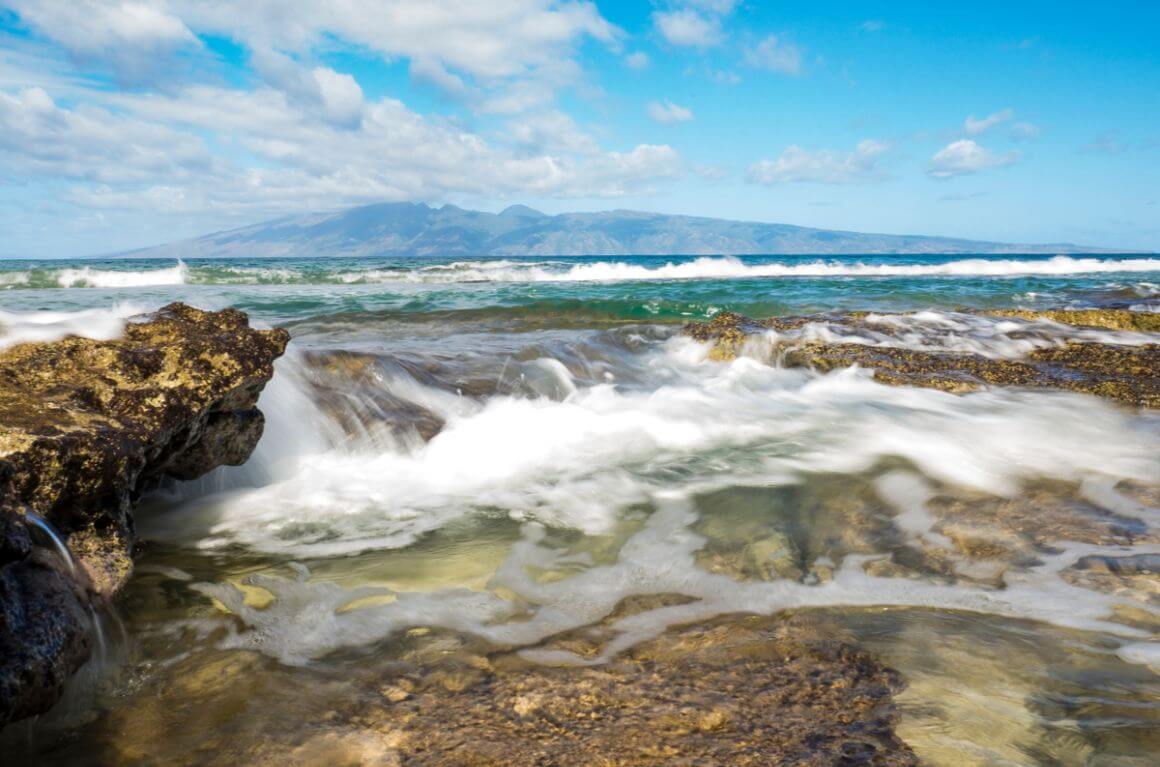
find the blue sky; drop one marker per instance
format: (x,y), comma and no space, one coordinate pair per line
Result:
(126,123)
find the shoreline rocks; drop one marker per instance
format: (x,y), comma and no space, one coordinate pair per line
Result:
(1127,374)
(85,427)
(736,690)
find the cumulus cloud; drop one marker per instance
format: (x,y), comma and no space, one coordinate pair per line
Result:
(552,131)
(300,135)
(92,144)
(822,166)
(126,35)
(490,42)
(335,96)
(976,126)
(668,112)
(146,152)
(966,156)
(688,27)
(775,55)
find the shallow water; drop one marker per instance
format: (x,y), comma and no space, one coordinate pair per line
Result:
(472,461)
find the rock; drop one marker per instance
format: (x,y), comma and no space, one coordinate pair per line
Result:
(735,691)
(1112,319)
(1135,564)
(85,427)
(1127,374)
(349,387)
(738,690)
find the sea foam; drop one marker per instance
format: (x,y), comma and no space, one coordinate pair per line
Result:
(88,277)
(35,327)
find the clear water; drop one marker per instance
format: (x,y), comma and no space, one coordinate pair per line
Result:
(464,458)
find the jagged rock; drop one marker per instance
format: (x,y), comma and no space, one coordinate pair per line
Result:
(85,427)
(1128,374)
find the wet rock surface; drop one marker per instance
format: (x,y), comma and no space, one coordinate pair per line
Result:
(85,427)
(1127,374)
(1112,319)
(737,691)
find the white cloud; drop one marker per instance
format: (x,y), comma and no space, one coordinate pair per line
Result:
(335,96)
(301,135)
(668,112)
(492,42)
(87,143)
(552,131)
(873,25)
(724,77)
(719,7)
(95,26)
(965,156)
(128,35)
(689,28)
(775,55)
(976,126)
(147,152)
(1024,131)
(637,60)
(823,166)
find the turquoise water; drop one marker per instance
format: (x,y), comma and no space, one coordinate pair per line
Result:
(596,288)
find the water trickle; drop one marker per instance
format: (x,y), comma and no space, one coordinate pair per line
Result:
(102,654)
(57,542)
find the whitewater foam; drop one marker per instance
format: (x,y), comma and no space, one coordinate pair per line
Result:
(935,331)
(636,459)
(728,267)
(579,458)
(37,327)
(565,271)
(88,277)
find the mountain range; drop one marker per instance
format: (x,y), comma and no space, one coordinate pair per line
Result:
(417,229)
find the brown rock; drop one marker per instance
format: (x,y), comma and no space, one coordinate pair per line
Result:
(85,426)
(1127,374)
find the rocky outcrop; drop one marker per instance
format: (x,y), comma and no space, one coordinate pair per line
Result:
(85,427)
(1128,374)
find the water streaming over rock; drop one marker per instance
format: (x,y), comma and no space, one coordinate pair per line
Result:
(540,470)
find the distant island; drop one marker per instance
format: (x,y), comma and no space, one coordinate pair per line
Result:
(417,229)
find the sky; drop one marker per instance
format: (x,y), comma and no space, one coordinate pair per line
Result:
(127,123)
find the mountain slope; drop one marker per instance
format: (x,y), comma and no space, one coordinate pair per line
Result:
(416,229)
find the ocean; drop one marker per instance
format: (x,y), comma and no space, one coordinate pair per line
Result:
(465,457)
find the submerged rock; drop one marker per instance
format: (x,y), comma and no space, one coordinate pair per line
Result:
(735,691)
(1128,374)
(85,426)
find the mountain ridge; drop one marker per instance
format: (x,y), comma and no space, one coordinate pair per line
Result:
(417,229)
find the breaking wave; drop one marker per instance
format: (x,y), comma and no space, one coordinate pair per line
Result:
(35,327)
(559,270)
(592,455)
